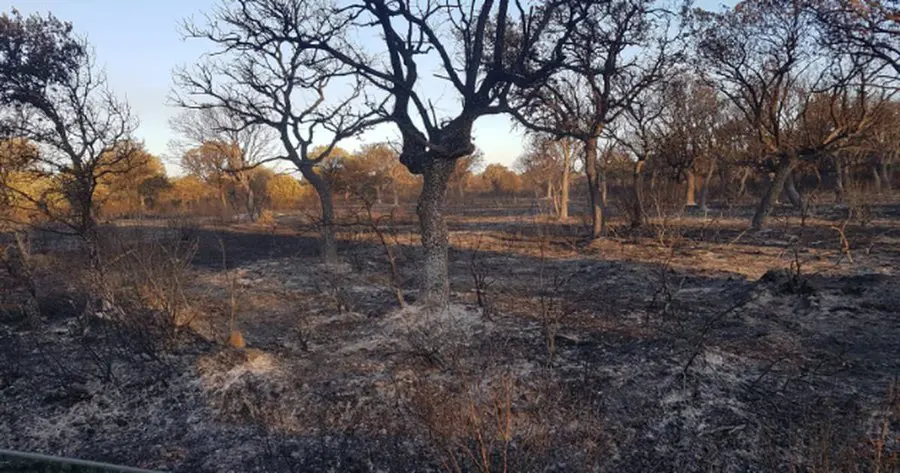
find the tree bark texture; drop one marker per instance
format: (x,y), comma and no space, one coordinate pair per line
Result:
(435,237)
(323,191)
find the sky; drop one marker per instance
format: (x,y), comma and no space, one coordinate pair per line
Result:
(138,44)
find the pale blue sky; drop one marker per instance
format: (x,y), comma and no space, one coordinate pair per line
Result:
(138,44)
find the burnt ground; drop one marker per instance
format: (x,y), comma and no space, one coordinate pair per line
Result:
(690,345)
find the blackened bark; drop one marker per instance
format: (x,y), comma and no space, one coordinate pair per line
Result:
(839,180)
(792,193)
(877,178)
(592,173)
(782,173)
(637,187)
(564,186)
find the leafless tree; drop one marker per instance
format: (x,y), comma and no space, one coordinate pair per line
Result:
(639,132)
(239,149)
(866,27)
(883,145)
(623,48)
(82,130)
(482,50)
(691,121)
(549,162)
(801,99)
(265,72)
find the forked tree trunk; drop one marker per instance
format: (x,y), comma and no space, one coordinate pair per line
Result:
(435,237)
(592,173)
(793,195)
(745,174)
(564,185)
(552,202)
(782,173)
(691,198)
(323,191)
(637,187)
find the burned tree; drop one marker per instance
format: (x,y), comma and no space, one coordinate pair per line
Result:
(482,50)
(53,95)
(264,72)
(216,143)
(690,124)
(801,99)
(622,48)
(869,28)
(640,135)
(549,163)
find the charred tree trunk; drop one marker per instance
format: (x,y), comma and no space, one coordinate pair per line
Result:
(592,173)
(435,237)
(782,173)
(839,191)
(793,195)
(323,191)
(564,185)
(876,177)
(637,185)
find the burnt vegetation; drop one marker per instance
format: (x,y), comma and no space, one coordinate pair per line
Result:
(691,266)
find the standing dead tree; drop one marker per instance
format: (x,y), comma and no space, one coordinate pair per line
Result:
(801,99)
(53,95)
(234,150)
(622,48)
(692,120)
(265,72)
(548,162)
(639,134)
(482,50)
(870,28)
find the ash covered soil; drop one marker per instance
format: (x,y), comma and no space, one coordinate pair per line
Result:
(640,352)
